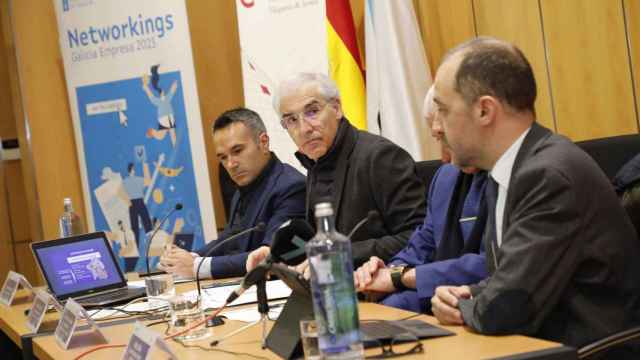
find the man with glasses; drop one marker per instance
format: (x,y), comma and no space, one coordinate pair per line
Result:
(357,170)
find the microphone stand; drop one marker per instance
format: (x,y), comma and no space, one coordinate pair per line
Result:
(260,227)
(263,309)
(370,216)
(160,224)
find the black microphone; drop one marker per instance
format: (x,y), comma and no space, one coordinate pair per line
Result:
(176,208)
(371,215)
(259,228)
(287,247)
(256,274)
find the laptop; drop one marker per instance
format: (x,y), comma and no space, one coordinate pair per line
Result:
(84,267)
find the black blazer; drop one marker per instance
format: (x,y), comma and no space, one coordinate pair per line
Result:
(280,198)
(568,268)
(372,173)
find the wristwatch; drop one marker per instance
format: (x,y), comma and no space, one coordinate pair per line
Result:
(396,272)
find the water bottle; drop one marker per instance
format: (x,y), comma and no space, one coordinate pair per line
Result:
(334,297)
(70,223)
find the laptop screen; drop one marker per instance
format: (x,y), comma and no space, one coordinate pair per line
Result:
(78,265)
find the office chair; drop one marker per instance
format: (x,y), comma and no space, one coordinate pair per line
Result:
(426,170)
(594,349)
(611,153)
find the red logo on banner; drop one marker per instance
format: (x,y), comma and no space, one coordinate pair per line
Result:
(247,3)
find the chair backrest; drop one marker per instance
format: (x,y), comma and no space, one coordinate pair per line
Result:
(426,170)
(612,152)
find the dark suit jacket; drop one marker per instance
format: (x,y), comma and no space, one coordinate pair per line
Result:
(470,267)
(568,268)
(280,198)
(372,173)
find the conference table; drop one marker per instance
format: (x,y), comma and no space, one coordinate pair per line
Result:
(463,345)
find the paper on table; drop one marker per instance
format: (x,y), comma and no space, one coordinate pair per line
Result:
(136,283)
(177,279)
(215,297)
(251,314)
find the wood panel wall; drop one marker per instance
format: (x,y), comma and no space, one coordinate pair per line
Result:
(520,23)
(632,19)
(589,68)
(22,207)
(47,118)
(585,54)
(6,240)
(216,54)
(443,25)
(7,122)
(7,131)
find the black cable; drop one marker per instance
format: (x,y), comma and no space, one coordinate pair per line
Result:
(137,312)
(128,312)
(177,207)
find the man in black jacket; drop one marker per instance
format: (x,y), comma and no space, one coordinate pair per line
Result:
(357,170)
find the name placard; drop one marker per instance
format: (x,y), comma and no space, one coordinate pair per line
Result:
(37,311)
(67,326)
(11,284)
(142,341)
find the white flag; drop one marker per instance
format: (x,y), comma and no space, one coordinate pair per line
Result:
(398,77)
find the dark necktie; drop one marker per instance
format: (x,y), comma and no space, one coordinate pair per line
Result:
(491,240)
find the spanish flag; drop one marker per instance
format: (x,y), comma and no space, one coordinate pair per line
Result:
(345,66)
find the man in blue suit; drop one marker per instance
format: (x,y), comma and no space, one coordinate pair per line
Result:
(268,191)
(446,248)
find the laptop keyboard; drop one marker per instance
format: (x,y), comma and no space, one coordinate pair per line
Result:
(113,296)
(381,329)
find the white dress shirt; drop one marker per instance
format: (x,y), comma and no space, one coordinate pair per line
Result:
(205,269)
(501,173)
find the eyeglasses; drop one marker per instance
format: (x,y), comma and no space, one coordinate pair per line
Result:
(373,327)
(387,347)
(309,114)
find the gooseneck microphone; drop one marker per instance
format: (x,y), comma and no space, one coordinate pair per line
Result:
(371,215)
(287,247)
(260,227)
(257,274)
(155,231)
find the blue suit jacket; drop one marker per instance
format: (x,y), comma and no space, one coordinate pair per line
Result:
(279,198)
(469,268)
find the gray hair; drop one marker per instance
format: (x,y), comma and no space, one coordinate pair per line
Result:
(248,117)
(326,87)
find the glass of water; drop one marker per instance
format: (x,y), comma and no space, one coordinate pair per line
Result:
(309,337)
(160,289)
(186,312)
